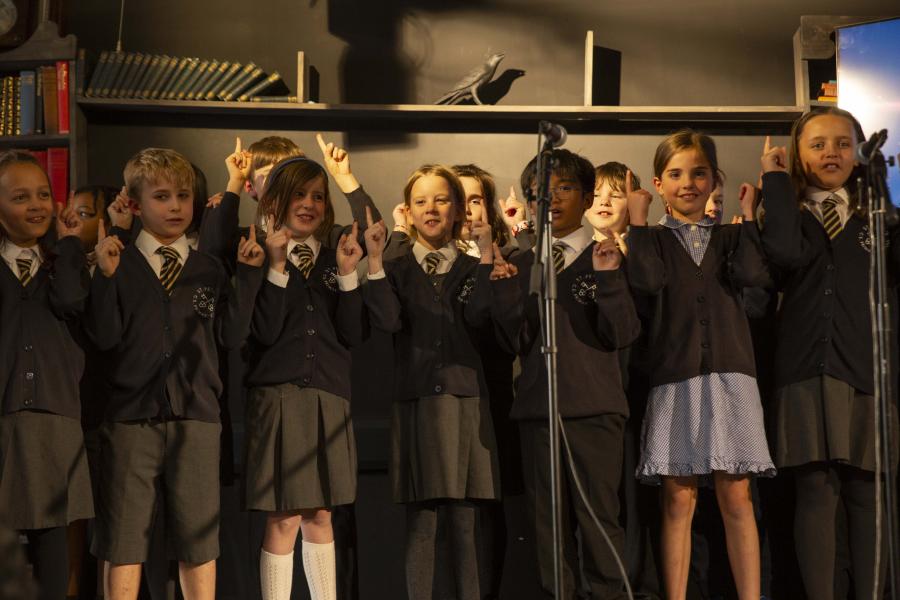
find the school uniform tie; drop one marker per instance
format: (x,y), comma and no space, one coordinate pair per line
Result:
(171,267)
(24,265)
(559,257)
(304,259)
(432,260)
(831,220)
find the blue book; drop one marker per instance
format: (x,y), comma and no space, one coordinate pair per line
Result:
(27,102)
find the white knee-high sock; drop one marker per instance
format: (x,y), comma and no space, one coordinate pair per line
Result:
(276,573)
(318,562)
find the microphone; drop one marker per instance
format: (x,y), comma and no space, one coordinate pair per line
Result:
(553,133)
(866,151)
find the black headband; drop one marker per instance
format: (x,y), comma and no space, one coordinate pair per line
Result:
(288,161)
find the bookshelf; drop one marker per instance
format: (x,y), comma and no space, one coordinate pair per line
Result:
(46,48)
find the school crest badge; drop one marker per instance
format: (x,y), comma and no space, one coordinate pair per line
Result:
(204,301)
(465,291)
(865,240)
(584,289)
(329,278)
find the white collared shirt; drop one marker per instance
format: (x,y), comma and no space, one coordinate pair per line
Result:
(574,244)
(148,245)
(448,253)
(815,197)
(346,283)
(11,252)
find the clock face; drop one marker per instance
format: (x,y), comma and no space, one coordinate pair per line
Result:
(8,16)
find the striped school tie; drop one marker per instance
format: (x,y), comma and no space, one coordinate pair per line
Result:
(24,265)
(831,220)
(559,257)
(432,260)
(303,259)
(171,268)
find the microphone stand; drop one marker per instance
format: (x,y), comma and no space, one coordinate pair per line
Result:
(543,284)
(881,213)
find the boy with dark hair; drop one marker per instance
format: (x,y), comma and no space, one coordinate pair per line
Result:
(161,308)
(595,319)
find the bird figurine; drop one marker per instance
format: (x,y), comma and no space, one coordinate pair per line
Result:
(468,86)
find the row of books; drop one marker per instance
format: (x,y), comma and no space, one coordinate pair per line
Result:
(55,162)
(36,101)
(828,91)
(162,77)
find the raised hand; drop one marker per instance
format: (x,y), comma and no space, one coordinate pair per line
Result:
(401,218)
(238,165)
(638,202)
(119,211)
(67,220)
(349,252)
(480,232)
(337,163)
(374,235)
(502,269)
(606,255)
(749,200)
(277,239)
(107,251)
(249,251)
(512,209)
(774,158)
(620,241)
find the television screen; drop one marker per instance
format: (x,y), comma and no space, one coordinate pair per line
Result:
(868,71)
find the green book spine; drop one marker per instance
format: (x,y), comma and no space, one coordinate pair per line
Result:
(225,81)
(291,99)
(140,83)
(166,80)
(176,76)
(246,73)
(155,78)
(115,88)
(183,79)
(137,67)
(191,82)
(203,76)
(213,80)
(115,64)
(17,99)
(97,75)
(256,89)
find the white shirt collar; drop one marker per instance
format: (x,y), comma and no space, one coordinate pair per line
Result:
(11,252)
(148,245)
(449,252)
(577,241)
(817,195)
(313,244)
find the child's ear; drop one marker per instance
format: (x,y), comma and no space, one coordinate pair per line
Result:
(135,206)
(248,187)
(657,183)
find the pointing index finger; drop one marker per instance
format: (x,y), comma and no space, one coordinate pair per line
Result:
(767,147)
(101,230)
(237,145)
(322,145)
(629,183)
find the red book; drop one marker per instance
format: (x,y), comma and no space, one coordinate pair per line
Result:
(41,156)
(58,172)
(62,95)
(51,114)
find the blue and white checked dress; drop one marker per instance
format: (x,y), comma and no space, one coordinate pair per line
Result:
(707,423)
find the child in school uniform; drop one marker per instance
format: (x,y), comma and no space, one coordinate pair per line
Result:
(161,307)
(301,452)
(816,234)
(435,301)
(44,476)
(595,319)
(704,417)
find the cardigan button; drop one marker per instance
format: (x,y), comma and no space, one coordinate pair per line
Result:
(699,274)
(704,322)
(310,308)
(437,298)
(27,402)
(701,299)
(828,291)
(826,315)
(437,343)
(27,348)
(821,366)
(29,376)
(704,345)
(438,389)
(310,332)
(167,355)
(829,267)
(310,355)
(306,380)
(825,339)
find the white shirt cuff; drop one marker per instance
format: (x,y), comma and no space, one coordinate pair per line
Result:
(379,275)
(348,283)
(279,279)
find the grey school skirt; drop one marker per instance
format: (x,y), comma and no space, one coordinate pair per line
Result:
(443,447)
(825,419)
(44,476)
(300,449)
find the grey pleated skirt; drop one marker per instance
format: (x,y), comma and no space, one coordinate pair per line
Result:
(443,447)
(44,476)
(300,449)
(825,419)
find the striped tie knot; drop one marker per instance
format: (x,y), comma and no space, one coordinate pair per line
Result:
(24,264)
(432,260)
(559,257)
(171,267)
(831,220)
(304,258)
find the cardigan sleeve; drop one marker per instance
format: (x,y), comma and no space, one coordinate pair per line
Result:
(218,230)
(644,266)
(69,283)
(782,236)
(749,267)
(239,299)
(617,323)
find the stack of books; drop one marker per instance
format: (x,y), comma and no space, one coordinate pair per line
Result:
(35,101)
(828,91)
(55,162)
(135,75)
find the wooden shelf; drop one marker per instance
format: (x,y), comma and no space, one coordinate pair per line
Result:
(435,118)
(34,141)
